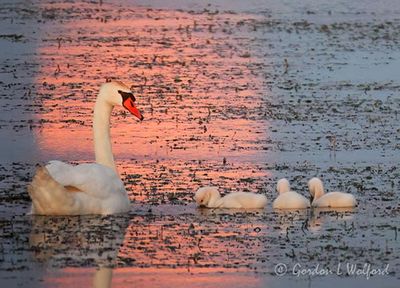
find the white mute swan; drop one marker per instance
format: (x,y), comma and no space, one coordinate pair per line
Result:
(210,197)
(288,199)
(331,199)
(62,189)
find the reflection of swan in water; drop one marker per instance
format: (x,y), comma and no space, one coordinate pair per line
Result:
(63,189)
(311,220)
(319,216)
(79,242)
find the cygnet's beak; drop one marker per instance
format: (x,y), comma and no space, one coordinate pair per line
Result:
(200,203)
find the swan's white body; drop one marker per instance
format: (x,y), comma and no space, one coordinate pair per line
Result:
(63,189)
(331,199)
(288,199)
(211,198)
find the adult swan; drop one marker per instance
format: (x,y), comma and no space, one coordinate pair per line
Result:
(63,189)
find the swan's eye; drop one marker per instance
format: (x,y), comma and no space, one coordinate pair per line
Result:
(126,95)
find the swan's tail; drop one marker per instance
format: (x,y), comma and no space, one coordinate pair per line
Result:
(48,196)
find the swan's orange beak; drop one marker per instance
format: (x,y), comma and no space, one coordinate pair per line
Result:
(131,107)
(128,101)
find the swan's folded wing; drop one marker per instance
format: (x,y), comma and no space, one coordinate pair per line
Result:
(93,179)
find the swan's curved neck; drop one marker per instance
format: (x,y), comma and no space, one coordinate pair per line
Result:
(101,131)
(214,198)
(319,191)
(102,278)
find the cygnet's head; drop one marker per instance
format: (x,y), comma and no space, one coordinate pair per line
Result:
(282,186)
(116,93)
(204,195)
(316,188)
